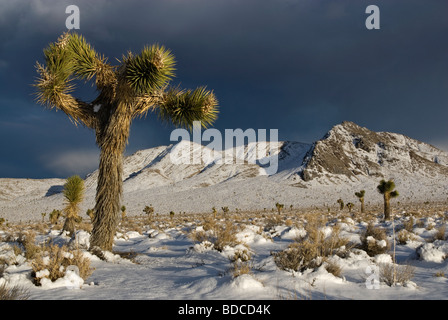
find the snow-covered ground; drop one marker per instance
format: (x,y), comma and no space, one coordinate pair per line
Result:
(168,259)
(181,258)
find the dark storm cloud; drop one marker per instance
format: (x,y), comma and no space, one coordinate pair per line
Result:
(298,66)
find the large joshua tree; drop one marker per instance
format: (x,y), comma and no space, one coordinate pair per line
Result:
(138,84)
(386,188)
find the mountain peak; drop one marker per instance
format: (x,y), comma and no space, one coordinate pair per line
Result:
(349,150)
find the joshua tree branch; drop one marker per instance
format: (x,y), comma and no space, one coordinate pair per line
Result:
(55,93)
(147,102)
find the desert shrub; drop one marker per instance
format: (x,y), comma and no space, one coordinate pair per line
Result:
(199,236)
(289,223)
(242,255)
(403,236)
(224,235)
(241,262)
(393,274)
(241,267)
(28,241)
(333,268)
(220,234)
(409,224)
(374,240)
(56,259)
(311,251)
(420,223)
(440,233)
(272,221)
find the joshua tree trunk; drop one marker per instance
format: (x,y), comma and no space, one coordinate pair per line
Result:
(69,226)
(386,188)
(362,205)
(112,140)
(386,206)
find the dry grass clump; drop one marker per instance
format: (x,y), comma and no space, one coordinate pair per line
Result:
(56,259)
(403,236)
(224,235)
(131,224)
(409,224)
(219,233)
(374,240)
(333,268)
(28,241)
(393,274)
(440,233)
(272,221)
(311,251)
(241,267)
(13,293)
(420,223)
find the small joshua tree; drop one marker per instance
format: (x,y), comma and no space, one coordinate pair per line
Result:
(350,206)
(341,204)
(123,212)
(386,188)
(54,216)
(74,195)
(149,210)
(140,83)
(360,196)
(279,207)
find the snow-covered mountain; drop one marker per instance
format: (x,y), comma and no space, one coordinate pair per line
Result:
(349,150)
(348,158)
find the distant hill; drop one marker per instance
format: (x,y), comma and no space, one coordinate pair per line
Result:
(348,158)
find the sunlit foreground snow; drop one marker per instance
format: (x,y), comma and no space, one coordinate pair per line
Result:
(180,258)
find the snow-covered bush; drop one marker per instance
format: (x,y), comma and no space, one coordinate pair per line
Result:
(221,234)
(374,240)
(403,236)
(53,262)
(311,251)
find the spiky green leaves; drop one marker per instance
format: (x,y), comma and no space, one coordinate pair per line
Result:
(182,108)
(54,77)
(74,195)
(360,194)
(74,190)
(387,187)
(151,70)
(84,56)
(68,58)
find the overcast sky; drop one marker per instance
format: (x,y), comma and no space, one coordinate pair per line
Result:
(299,66)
